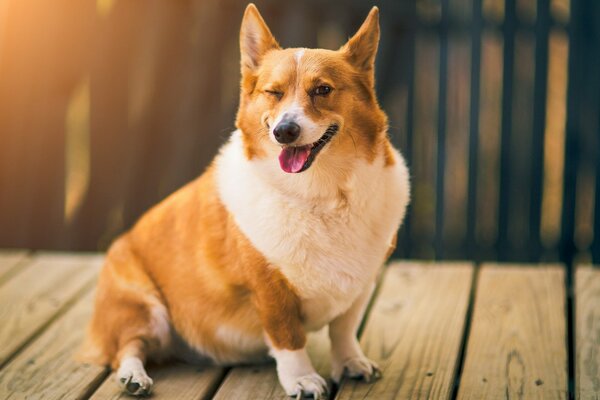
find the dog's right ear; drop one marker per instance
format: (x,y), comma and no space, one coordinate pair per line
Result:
(255,40)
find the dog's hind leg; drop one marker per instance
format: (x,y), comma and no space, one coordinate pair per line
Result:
(130,323)
(145,338)
(143,333)
(132,375)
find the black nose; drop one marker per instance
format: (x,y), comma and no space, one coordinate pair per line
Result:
(286,132)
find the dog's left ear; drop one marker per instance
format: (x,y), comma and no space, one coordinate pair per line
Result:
(362,47)
(255,39)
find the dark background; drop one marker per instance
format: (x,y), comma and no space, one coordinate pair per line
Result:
(108,106)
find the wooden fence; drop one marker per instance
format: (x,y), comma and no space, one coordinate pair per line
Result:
(107,106)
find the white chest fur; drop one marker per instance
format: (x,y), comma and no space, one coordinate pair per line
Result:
(329,248)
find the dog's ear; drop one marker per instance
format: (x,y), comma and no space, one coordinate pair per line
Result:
(255,39)
(361,49)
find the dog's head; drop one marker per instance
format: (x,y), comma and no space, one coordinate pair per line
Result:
(305,109)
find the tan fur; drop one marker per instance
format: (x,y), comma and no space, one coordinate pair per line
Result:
(205,273)
(187,255)
(351,69)
(278,72)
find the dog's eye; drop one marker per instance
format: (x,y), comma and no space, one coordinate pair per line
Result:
(275,93)
(322,90)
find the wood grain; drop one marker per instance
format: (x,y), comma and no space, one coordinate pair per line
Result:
(46,369)
(30,300)
(587,330)
(517,343)
(171,381)
(260,381)
(10,262)
(414,332)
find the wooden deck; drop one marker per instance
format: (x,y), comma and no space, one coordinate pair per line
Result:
(443,330)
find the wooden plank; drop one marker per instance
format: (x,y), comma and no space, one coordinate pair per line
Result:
(260,381)
(517,344)
(171,381)
(414,332)
(587,330)
(10,262)
(30,300)
(47,369)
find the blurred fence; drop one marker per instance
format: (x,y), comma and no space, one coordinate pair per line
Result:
(107,106)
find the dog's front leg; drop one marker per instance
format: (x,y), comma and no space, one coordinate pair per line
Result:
(346,355)
(280,313)
(297,375)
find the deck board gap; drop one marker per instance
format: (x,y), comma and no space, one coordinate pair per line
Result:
(374,296)
(214,388)
(460,363)
(94,385)
(570,317)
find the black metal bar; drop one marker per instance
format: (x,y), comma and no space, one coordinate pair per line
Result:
(471,243)
(596,243)
(571,163)
(408,239)
(386,55)
(542,29)
(441,128)
(509,28)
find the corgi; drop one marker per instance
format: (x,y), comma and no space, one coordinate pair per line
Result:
(283,234)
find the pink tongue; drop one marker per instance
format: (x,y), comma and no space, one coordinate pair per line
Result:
(292,159)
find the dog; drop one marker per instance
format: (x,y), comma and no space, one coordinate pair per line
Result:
(283,234)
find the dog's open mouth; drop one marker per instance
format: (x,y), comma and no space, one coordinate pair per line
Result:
(297,159)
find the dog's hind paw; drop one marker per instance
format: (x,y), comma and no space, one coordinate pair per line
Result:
(134,380)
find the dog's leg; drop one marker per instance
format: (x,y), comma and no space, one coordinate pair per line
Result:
(131,374)
(130,323)
(347,358)
(297,375)
(279,310)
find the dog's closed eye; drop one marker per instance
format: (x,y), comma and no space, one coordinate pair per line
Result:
(277,94)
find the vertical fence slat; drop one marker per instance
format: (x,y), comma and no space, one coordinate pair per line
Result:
(567,245)
(410,120)
(441,134)
(509,28)
(542,29)
(408,29)
(476,38)
(596,243)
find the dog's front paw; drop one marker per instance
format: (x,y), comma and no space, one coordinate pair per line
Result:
(307,385)
(134,381)
(356,368)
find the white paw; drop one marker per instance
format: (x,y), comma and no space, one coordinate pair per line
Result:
(356,368)
(134,380)
(308,385)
